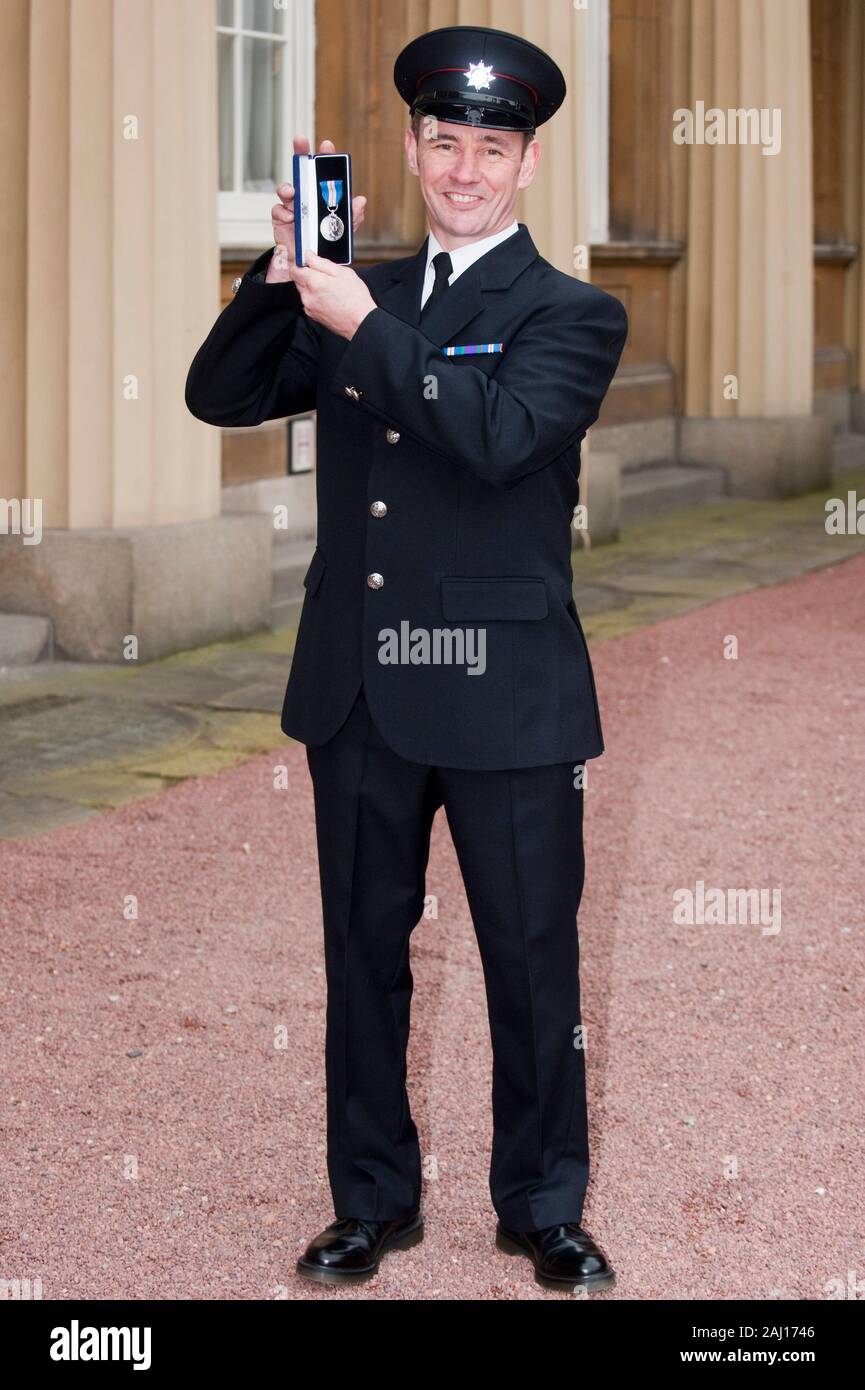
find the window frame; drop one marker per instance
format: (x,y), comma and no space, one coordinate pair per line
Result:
(244,217)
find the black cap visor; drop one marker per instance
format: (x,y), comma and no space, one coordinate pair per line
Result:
(491,113)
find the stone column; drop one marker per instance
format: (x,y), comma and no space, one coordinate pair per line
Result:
(749,318)
(556,207)
(122,279)
(14,95)
(556,204)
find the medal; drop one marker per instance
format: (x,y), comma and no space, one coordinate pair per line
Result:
(332,227)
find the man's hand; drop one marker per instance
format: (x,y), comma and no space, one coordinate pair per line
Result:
(333,295)
(281,262)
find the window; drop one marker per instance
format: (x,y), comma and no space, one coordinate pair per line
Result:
(266,64)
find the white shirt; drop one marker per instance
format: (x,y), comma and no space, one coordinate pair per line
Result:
(461,257)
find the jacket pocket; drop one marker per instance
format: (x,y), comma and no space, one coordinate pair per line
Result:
(488,599)
(317,567)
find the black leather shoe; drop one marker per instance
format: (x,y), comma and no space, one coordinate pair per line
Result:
(563,1256)
(349,1251)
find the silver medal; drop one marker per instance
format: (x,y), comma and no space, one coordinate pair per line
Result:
(332,227)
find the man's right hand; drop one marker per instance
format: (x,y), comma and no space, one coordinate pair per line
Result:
(282,216)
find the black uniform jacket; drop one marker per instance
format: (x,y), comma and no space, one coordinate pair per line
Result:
(470,650)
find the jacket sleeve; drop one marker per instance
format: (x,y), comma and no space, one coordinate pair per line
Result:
(542,399)
(260,359)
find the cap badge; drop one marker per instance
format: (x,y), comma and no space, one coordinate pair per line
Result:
(479,75)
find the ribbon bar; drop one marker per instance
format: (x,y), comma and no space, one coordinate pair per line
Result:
(473,347)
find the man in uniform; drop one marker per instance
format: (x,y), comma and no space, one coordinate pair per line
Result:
(440,660)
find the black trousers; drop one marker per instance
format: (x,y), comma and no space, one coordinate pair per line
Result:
(518,838)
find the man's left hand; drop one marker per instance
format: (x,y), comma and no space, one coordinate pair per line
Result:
(332,295)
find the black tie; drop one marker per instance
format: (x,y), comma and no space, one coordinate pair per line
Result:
(443,268)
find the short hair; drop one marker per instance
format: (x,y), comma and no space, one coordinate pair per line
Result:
(528,135)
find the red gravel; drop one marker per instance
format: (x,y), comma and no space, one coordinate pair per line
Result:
(708,1045)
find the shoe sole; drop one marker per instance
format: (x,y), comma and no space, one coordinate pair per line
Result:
(404,1240)
(508,1246)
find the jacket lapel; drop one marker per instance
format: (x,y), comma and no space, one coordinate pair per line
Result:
(467,297)
(402,296)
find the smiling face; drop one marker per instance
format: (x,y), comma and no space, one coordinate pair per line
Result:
(469,177)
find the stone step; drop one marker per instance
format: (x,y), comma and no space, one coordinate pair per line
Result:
(288,571)
(24,639)
(653,489)
(291,559)
(848,452)
(291,552)
(288,585)
(284,612)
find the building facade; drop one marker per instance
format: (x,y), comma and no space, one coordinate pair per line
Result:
(708,167)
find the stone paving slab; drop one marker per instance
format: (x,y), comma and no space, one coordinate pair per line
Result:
(93,788)
(77,738)
(707,553)
(262,695)
(26,815)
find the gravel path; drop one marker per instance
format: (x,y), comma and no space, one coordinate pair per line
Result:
(162,1030)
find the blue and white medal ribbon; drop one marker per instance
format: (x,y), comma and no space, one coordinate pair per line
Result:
(332,227)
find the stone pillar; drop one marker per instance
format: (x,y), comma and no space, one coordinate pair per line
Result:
(14,95)
(122,280)
(749,317)
(123,259)
(556,207)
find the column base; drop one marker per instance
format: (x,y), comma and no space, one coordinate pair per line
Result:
(171,587)
(639,441)
(603,494)
(783,456)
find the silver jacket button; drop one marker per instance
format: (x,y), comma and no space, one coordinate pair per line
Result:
(375,581)
(236,284)
(392,436)
(379,509)
(353,392)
